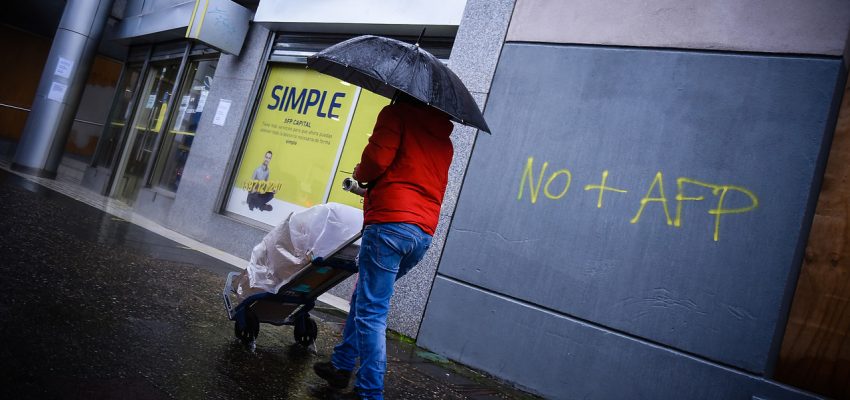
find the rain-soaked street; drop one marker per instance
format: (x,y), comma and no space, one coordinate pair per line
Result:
(94,307)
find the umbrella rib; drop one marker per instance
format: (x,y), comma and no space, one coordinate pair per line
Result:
(400,59)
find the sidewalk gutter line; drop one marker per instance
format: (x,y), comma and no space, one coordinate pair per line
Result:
(120,210)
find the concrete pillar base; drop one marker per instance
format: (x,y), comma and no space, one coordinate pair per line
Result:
(41,173)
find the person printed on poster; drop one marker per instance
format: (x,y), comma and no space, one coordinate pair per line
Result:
(258,197)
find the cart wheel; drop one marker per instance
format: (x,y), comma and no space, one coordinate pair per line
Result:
(248,333)
(306,330)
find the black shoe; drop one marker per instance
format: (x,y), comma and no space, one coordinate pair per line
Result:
(266,207)
(337,378)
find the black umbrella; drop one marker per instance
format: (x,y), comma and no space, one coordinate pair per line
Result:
(383,65)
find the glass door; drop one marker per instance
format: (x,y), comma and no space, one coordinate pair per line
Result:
(142,135)
(183,124)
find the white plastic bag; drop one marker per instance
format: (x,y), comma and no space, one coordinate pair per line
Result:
(289,247)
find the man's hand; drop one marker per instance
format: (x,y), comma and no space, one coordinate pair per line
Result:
(354,174)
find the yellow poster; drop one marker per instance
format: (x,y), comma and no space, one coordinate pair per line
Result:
(293,145)
(368,107)
(308,133)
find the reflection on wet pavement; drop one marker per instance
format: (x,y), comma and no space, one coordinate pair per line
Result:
(95,307)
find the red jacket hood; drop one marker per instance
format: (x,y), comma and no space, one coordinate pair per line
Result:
(433,121)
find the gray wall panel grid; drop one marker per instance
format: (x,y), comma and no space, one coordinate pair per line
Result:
(562,358)
(727,124)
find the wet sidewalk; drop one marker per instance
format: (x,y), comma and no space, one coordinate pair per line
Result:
(94,307)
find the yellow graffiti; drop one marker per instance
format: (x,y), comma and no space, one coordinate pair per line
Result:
(717,190)
(552,178)
(680,197)
(723,211)
(655,193)
(528,174)
(602,188)
(659,179)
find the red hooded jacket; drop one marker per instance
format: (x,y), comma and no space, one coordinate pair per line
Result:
(406,164)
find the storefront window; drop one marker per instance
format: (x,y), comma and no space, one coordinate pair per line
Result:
(307,134)
(184,124)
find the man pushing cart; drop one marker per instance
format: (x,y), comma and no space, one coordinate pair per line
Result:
(405,166)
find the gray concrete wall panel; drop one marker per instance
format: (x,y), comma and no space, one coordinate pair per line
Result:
(716,131)
(564,358)
(772,26)
(479,41)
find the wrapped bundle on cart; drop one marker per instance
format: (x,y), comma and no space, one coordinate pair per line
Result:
(299,260)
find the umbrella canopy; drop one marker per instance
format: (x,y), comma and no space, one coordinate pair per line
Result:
(383,65)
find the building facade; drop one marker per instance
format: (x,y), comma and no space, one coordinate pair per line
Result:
(635,226)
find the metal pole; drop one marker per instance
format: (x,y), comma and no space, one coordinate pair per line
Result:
(62,82)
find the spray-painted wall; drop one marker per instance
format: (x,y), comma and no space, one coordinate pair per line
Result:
(653,206)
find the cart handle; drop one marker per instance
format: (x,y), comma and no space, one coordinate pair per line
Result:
(225,294)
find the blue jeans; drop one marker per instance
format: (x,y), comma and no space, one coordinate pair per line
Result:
(387,252)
